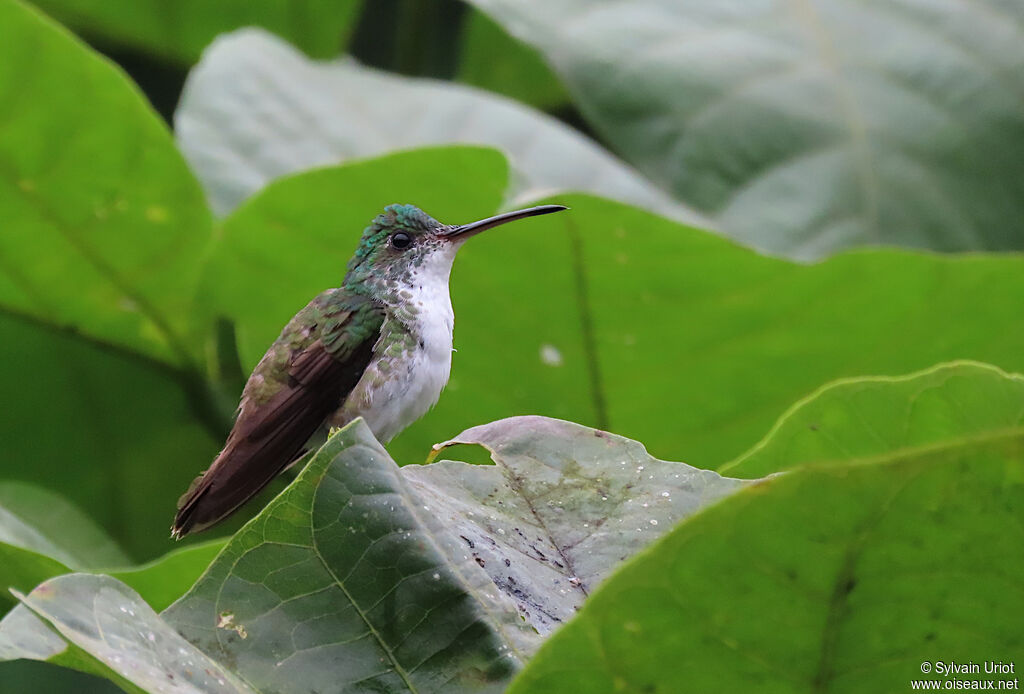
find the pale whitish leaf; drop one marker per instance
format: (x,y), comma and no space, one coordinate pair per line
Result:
(805,127)
(24,635)
(255,109)
(115,632)
(561,509)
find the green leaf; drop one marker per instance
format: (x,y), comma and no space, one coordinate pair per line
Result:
(700,344)
(179,30)
(255,109)
(106,230)
(494,61)
(344,583)
(876,418)
(113,434)
(625,320)
(790,129)
(98,625)
(108,225)
(42,535)
(164,580)
(841,577)
(363,575)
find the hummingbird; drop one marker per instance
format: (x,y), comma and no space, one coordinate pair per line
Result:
(377,347)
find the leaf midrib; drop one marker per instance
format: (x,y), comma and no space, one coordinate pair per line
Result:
(838,601)
(104,270)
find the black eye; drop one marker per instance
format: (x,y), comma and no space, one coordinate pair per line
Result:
(400,240)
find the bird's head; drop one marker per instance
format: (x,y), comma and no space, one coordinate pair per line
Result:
(405,245)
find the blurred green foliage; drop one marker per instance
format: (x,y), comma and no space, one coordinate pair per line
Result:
(129,315)
(179,30)
(492,60)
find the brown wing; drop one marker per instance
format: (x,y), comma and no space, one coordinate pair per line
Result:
(268,436)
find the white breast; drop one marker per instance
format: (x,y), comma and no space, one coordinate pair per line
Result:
(396,390)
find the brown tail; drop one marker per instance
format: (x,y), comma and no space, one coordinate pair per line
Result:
(268,437)
(239,473)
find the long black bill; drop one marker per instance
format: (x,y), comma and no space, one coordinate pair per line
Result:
(466,230)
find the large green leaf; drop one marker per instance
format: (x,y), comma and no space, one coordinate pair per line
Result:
(105,230)
(179,30)
(698,344)
(114,434)
(255,109)
(876,418)
(344,583)
(666,334)
(366,576)
(806,127)
(105,226)
(98,625)
(843,577)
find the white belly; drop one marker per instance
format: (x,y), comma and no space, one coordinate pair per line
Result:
(399,388)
